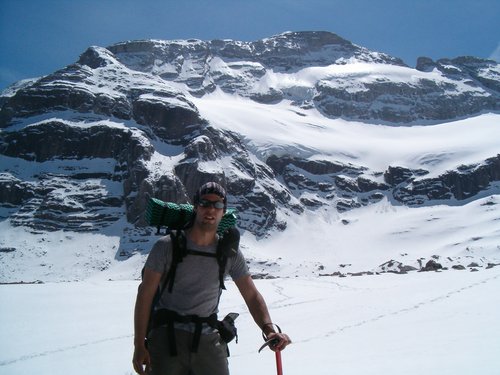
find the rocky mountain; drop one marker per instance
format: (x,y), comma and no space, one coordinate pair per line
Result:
(87,146)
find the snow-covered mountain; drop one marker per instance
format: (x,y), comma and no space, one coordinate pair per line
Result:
(338,159)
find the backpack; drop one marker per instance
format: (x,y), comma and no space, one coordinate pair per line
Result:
(227,247)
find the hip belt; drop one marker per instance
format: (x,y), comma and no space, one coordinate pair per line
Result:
(168,317)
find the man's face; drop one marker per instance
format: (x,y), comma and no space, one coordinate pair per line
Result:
(208,213)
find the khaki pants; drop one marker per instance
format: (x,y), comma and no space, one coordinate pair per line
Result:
(211,358)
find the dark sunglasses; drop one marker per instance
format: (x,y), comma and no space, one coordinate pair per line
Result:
(206,203)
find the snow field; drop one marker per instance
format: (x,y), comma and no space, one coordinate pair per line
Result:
(433,323)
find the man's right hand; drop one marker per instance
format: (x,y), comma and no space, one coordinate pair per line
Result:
(141,360)
(145,295)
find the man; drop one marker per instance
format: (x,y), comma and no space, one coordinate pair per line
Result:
(187,343)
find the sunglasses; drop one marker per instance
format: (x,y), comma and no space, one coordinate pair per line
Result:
(206,203)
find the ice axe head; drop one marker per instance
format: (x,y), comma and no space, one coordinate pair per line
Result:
(271,342)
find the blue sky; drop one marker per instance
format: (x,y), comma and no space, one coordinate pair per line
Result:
(38,37)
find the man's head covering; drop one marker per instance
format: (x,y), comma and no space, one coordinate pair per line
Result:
(210,188)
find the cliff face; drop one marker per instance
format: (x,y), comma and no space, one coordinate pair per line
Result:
(436,91)
(91,143)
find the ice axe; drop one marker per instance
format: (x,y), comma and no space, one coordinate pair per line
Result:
(272,342)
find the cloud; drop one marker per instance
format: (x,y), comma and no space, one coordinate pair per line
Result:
(495,55)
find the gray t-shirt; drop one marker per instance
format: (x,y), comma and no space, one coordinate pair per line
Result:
(196,288)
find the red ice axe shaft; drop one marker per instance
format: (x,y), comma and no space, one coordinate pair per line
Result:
(279,367)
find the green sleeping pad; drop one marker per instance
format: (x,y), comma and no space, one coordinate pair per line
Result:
(176,216)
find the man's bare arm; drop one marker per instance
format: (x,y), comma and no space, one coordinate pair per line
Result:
(145,295)
(259,311)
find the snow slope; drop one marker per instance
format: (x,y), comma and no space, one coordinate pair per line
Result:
(283,128)
(359,240)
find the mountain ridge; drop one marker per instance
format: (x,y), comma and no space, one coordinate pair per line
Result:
(85,148)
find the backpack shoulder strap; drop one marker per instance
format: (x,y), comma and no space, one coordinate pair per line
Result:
(179,251)
(227,247)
